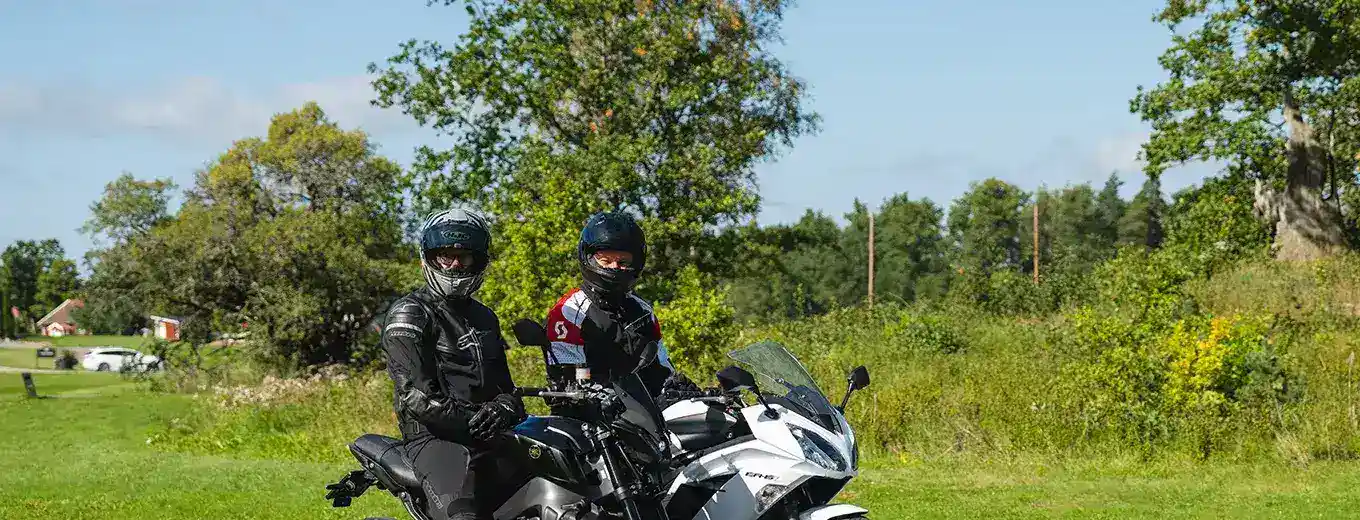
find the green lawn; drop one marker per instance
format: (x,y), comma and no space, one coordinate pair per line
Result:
(12,383)
(23,357)
(88,458)
(92,341)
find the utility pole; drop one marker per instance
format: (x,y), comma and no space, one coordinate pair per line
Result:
(871,259)
(1036,241)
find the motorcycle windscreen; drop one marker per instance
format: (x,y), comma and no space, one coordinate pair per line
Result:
(641,413)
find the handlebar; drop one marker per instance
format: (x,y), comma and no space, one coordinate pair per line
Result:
(529,391)
(709,392)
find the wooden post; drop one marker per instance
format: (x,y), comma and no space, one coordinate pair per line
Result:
(871,259)
(1036,241)
(28,385)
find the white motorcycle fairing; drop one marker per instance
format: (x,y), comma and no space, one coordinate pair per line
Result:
(765,467)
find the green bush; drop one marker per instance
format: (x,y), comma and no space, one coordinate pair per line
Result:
(697,324)
(929,332)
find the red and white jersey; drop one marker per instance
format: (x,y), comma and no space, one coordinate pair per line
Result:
(569,318)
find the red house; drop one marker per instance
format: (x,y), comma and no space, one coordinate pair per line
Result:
(59,321)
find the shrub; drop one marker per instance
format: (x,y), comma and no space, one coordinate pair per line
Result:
(929,332)
(697,324)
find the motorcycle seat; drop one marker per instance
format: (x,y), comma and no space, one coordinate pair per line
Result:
(384,457)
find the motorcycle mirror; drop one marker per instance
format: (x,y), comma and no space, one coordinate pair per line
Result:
(647,356)
(734,378)
(859,378)
(530,333)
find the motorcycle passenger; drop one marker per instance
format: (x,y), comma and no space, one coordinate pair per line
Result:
(599,330)
(452,387)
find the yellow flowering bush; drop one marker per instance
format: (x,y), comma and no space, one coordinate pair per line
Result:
(1207,368)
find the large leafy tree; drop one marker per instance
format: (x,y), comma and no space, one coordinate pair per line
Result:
(297,236)
(56,283)
(24,262)
(129,210)
(557,109)
(1270,88)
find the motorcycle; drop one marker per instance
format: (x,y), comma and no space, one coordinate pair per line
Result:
(569,469)
(784,457)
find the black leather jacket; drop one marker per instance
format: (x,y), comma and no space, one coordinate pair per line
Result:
(445,358)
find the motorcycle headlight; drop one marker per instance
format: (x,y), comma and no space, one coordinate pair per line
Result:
(817,450)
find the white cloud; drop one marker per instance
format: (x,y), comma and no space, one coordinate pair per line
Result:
(1120,153)
(195,108)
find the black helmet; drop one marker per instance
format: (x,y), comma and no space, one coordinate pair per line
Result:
(615,231)
(459,229)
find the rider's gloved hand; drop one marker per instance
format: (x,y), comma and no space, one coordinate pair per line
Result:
(493,417)
(677,386)
(604,397)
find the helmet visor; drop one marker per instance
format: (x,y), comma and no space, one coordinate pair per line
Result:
(613,259)
(455,260)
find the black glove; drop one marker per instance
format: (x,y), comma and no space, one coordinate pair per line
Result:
(604,397)
(679,383)
(493,417)
(676,388)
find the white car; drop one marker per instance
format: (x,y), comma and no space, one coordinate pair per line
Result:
(105,359)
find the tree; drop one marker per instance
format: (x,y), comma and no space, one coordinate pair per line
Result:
(558,109)
(7,329)
(984,225)
(1110,209)
(1074,230)
(1215,222)
(1142,222)
(129,208)
(1271,88)
(298,234)
(56,283)
(24,261)
(910,258)
(984,229)
(788,271)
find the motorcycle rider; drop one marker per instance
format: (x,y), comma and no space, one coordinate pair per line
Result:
(599,329)
(452,387)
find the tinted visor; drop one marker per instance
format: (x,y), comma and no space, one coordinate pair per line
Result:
(445,242)
(454,260)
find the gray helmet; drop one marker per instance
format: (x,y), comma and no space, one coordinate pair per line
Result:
(461,229)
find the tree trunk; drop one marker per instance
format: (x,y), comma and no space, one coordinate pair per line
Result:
(1307,228)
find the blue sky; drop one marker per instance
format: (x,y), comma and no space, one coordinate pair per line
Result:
(919,97)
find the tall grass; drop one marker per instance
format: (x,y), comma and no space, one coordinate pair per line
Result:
(1254,364)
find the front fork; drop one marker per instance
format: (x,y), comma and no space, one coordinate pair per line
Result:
(633,509)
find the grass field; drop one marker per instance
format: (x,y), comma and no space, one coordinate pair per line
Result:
(12,385)
(23,357)
(88,458)
(91,341)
